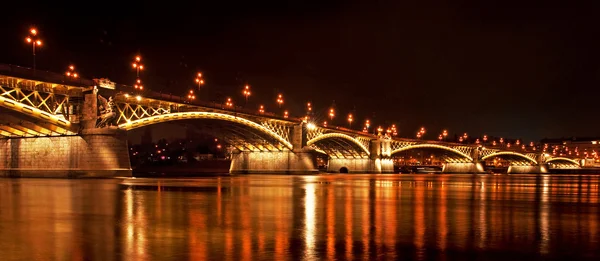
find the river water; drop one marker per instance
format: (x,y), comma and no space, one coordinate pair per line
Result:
(270,217)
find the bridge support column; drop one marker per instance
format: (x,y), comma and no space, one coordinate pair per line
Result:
(94,153)
(468,167)
(379,160)
(280,162)
(539,169)
(300,160)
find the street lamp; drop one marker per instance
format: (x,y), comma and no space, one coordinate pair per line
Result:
(137,65)
(71,72)
(350,119)
(280,100)
(261,109)
(394,130)
(229,102)
(308,110)
(34,41)
(331,113)
(138,85)
(191,95)
(246,92)
(285,114)
(445,134)
(199,80)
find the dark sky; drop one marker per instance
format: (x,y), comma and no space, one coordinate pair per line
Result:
(505,68)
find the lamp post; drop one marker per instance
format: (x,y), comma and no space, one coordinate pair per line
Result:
(261,109)
(331,114)
(191,95)
(137,65)
(246,93)
(280,100)
(350,120)
(199,80)
(71,72)
(34,41)
(229,102)
(138,85)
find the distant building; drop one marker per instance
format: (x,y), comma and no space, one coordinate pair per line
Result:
(587,148)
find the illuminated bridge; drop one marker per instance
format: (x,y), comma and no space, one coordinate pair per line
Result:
(51,126)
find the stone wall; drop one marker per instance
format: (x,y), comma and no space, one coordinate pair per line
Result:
(366,165)
(463,168)
(96,153)
(527,170)
(285,162)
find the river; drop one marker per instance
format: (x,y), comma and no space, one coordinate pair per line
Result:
(281,217)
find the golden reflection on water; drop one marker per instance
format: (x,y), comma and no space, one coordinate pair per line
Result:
(440,217)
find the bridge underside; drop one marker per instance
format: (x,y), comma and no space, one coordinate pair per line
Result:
(341,148)
(17,125)
(241,137)
(431,154)
(513,160)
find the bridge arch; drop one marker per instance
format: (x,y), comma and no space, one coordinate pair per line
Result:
(432,146)
(203,115)
(563,159)
(340,136)
(510,153)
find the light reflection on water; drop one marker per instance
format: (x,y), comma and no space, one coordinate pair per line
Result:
(413,217)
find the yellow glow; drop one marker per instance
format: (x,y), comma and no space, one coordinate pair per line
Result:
(310,217)
(33,31)
(35,112)
(338,135)
(28,39)
(138,98)
(311,126)
(509,153)
(417,146)
(38,42)
(202,115)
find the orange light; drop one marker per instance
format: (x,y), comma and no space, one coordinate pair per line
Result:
(141,67)
(199,74)
(138,58)
(33,31)
(68,73)
(38,42)
(75,75)
(28,39)
(134,65)
(71,67)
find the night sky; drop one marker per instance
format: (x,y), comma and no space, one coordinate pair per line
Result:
(502,68)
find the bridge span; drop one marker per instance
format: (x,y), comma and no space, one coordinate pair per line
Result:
(50,126)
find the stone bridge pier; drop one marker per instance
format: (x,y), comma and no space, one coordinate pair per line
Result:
(379,160)
(300,160)
(90,152)
(475,166)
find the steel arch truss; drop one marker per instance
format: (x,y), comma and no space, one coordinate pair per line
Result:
(239,136)
(339,145)
(515,158)
(46,102)
(250,125)
(563,163)
(132,112)
(457,153)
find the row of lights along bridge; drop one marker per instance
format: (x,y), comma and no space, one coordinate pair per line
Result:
(391,131)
